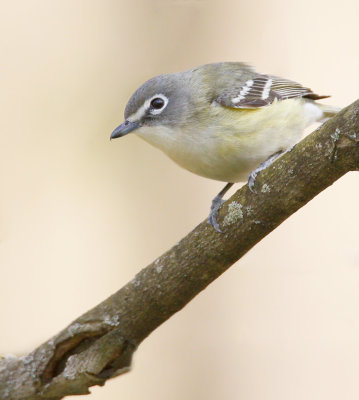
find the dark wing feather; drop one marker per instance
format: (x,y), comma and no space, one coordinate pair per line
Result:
(262,90)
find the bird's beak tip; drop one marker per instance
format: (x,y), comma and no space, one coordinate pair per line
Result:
(124,129)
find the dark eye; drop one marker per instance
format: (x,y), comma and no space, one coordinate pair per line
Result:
(157,103)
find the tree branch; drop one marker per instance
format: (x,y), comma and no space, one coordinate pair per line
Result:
(99,344)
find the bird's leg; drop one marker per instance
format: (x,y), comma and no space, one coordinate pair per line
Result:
(216,204)
(265,164)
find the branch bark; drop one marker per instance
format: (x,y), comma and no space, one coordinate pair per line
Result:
(99,344)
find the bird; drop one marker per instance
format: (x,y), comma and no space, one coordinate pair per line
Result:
(223,121)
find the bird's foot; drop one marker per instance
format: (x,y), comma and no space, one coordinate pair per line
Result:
(265,164)
(216,205)
(251,180)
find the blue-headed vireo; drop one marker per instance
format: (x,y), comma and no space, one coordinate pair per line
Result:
(223,121)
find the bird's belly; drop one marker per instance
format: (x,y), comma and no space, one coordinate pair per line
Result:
(233,158)
(228,148)
(227,157)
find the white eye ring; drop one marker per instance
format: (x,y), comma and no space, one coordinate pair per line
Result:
(156,111)
(141,112)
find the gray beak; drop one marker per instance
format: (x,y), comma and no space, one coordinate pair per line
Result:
(124,129)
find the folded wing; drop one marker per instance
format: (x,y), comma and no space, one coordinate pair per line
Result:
(262,90)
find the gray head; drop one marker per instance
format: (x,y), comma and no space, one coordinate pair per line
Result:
(162,100)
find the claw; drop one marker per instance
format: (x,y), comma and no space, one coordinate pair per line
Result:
(251,180)
(212,221)
(253,175)
(216,205)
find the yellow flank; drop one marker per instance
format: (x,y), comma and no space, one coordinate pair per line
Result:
(248,127)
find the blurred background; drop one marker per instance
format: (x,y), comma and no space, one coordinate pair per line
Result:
(79,216)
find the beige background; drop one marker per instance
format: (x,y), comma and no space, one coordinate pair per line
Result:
(80,215)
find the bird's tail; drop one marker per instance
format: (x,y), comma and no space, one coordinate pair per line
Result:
(328,111)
